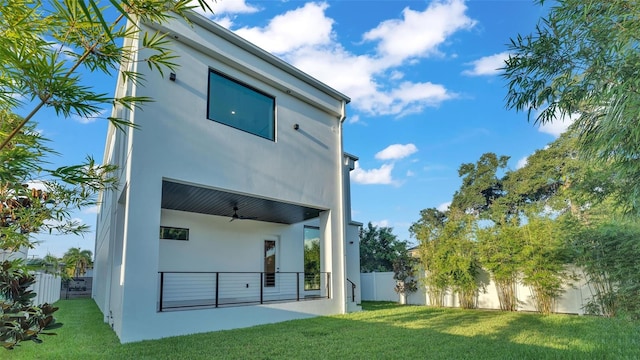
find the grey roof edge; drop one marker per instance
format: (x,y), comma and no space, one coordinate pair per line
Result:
(262,54)
(351,156)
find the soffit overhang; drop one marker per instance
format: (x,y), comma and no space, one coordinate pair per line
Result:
(211,201)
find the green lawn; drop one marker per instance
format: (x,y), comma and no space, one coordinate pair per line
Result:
(384,331)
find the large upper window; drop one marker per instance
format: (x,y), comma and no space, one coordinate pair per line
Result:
(241,106)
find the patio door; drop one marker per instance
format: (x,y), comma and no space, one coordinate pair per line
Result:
(270,265)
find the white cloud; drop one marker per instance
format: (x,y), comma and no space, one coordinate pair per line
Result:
(371,80)
(224,21)
(396,75)
(91,118)
(406,99)
(522,162)
(444,206)
(419,33)
(354,119)
(305,26)
(64,51)
(488,65)
(91,210)
(381,175)
(559,125)
(225,7)
(410,173)
(381,223)
(396,152)
(55,223)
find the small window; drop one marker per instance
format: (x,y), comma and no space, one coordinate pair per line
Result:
(240,106)
(171,233)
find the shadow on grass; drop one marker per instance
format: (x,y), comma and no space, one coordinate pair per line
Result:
(378,305)
(385,331)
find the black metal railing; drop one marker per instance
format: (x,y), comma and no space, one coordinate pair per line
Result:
(181,290)
(353,290)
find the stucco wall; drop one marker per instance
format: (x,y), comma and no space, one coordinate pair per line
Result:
(176,141)
(215,244)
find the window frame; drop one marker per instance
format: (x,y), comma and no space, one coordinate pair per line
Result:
(186,232)
(309,283)
(254,89)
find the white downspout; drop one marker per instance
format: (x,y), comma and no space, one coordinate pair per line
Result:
(343,227)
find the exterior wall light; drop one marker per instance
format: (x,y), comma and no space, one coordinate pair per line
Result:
(172,76)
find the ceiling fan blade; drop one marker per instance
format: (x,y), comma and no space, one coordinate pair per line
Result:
(235,215)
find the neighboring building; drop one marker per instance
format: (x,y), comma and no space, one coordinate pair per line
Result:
(414,252)
(234,182)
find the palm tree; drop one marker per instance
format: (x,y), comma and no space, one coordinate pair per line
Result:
(78,261)
(49,264)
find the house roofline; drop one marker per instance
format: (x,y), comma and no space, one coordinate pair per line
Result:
(351,156)
(262,54)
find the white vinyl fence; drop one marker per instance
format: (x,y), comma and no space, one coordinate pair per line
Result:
(379,287)
(47,288)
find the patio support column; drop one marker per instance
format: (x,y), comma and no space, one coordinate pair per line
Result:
(326,239)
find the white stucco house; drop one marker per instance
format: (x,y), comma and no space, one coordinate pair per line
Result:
(234,182)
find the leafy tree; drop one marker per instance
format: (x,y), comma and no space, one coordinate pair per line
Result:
(19,319)
(379,248)
(45,47)
(558,178)
(77,261)
(458,257)
(448,254)
(480,184)
(429,227)
(428,231)
(609,254)
(582,61)
(404,270)
(312,264)
(35,199)
(500,252)
(547,177)
(50,264)
(543,260)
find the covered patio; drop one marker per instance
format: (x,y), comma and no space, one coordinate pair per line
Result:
(236,216)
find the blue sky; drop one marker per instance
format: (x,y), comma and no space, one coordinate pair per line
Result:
(425,89)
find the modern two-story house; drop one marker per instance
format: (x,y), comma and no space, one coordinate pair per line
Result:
(233,207)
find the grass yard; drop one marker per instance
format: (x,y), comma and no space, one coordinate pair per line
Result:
(384,331)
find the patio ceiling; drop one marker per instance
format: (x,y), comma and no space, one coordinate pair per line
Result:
(191,198)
